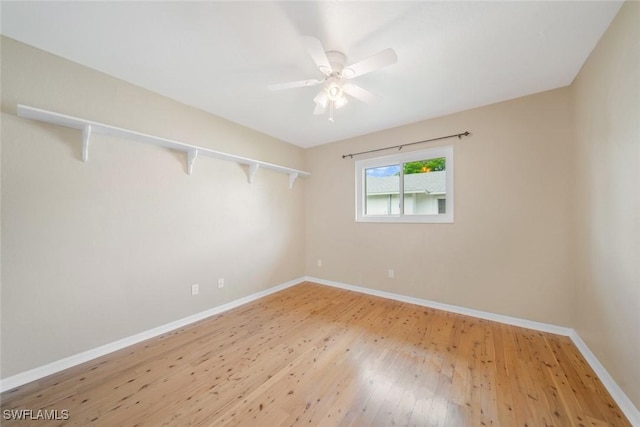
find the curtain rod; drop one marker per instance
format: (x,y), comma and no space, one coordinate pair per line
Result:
(399,147)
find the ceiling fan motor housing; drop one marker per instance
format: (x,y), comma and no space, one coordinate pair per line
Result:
(336,60)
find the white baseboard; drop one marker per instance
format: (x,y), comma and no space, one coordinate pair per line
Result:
(68,362)
(523,323)
(626,406)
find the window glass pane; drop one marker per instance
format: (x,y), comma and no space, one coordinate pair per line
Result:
(382,190)
(410,187)
(425,187)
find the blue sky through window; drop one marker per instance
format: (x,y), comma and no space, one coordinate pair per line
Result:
(384,171)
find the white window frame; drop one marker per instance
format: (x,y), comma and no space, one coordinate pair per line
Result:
(399,159)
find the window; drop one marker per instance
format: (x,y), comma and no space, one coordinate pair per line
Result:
(407,187)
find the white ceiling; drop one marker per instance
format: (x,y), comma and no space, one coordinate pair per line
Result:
(220,56)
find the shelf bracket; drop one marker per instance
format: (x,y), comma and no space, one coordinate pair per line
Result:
(253,168)
(86,135)
(292,178)
(191,158)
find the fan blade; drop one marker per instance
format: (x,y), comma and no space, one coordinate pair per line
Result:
(317,53)
(289,85)
(372,63)
(359,93)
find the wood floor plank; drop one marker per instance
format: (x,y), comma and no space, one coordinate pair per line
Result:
(316,355)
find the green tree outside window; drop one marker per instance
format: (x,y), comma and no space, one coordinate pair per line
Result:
(423,166)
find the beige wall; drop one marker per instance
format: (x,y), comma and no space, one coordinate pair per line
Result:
(508,251)
(607,154)
(98,251)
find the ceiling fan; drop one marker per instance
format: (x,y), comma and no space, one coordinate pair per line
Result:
(336,77)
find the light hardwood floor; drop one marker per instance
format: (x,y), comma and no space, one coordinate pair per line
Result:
(315,355)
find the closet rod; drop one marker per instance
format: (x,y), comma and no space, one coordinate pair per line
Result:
(399,147)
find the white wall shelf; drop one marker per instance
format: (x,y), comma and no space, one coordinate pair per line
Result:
(89,128)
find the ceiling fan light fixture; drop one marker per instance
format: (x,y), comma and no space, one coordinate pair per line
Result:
(335,91)
(321,99)
(341,102)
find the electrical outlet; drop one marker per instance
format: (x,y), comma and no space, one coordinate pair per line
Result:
(391,274)
(220,283)
(319,262)
(195,289)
